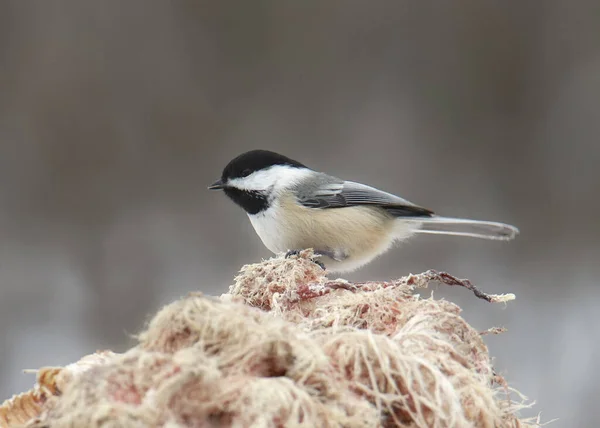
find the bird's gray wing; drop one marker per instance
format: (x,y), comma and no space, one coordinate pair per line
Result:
(330,192)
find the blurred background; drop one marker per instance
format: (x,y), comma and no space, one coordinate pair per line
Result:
(115,116)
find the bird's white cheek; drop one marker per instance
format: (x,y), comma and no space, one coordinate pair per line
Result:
(275,178)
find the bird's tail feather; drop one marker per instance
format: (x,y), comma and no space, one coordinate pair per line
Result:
(465,227)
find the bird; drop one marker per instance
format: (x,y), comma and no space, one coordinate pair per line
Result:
(347,224)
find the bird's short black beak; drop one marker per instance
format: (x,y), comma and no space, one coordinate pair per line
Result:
(217,185)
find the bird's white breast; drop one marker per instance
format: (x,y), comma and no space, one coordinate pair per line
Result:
(357,234)
(270,227)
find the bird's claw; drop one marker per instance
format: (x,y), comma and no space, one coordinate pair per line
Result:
(291,253)
(317,262)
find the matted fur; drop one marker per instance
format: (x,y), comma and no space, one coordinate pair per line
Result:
(286,347)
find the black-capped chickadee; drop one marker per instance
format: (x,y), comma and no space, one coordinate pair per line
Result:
(348,224)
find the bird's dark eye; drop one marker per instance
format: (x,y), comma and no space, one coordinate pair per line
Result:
(246,173)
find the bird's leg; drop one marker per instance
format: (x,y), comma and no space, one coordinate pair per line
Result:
(337,255)
(318,262)
(291,253)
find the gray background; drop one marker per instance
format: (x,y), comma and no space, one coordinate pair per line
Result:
(114,116)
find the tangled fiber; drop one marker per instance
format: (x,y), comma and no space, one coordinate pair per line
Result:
(286,347)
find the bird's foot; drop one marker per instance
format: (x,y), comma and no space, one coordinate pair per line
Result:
(319,263)
(291,253)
